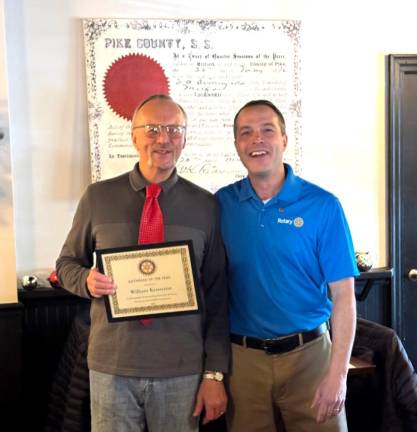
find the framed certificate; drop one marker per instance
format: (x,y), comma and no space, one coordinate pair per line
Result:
(152,280)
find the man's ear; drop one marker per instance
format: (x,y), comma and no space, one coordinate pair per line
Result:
(185,140)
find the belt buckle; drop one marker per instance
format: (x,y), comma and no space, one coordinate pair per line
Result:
(268,346)
(281,345)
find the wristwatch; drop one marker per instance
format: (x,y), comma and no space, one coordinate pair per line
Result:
(213,375)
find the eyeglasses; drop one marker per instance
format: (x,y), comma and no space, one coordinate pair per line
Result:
(153,130)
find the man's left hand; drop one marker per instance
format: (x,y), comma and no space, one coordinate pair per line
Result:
(211,397)
(330,397)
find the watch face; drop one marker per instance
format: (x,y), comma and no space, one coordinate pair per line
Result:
(218,376)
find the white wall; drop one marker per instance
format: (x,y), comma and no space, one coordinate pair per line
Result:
(344,47)
(7,242)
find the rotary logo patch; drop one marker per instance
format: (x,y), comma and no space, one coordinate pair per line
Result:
(298,222)
(147,267)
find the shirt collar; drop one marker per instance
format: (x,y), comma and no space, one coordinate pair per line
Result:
(289,192)
(246,190)
(138,182)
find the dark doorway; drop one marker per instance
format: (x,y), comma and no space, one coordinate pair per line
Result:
(402,163)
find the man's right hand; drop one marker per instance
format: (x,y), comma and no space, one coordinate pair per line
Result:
(99,284)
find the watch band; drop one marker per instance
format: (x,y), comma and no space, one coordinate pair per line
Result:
(213,375)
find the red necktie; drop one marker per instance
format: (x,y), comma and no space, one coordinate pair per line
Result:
(151,229)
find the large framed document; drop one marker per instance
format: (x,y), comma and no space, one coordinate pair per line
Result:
(152,280)
(212,67)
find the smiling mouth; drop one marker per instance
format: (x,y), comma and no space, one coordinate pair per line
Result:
(258,153)
(162,151)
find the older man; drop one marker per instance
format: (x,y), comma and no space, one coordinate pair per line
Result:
(149,375)
(287,242)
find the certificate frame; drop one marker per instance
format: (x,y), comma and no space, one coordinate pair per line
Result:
(153,280)
(212,67)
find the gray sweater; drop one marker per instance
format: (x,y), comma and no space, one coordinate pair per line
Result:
(108,216)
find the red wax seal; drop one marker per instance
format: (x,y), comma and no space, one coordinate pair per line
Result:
(131,79)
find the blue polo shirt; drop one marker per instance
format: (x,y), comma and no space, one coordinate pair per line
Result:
(282,255)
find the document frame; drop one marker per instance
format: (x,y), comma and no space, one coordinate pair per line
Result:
(153,280)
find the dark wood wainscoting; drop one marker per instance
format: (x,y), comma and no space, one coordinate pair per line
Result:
(47,317)
(37,329)
(373,295)
(10,361)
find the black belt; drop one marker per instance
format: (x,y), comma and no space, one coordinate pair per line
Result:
(282,344)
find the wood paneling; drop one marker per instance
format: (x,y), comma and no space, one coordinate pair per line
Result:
(10,360)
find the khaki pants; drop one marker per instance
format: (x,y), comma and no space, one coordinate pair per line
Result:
(266,390)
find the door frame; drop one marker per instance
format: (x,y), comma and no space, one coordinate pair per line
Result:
(397,67)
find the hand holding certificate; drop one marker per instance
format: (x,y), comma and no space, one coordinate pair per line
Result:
(152,280)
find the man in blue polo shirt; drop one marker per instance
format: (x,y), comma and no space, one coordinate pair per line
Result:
(288,243)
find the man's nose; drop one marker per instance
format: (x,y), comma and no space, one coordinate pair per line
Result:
(163,136)
(257,135)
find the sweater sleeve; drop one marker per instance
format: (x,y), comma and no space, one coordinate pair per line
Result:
(216,331)
(76,257)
